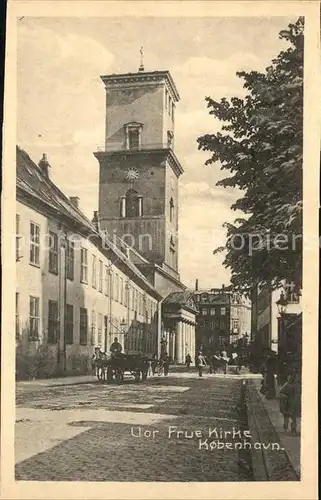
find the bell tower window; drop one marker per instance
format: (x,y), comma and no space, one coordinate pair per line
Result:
(131,205)
(133,135)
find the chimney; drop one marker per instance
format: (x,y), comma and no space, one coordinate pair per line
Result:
(196,285)
(74,200)
(44,165)
(95,220)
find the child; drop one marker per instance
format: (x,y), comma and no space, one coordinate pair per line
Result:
(290,403)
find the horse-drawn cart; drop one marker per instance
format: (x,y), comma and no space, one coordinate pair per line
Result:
(115,367)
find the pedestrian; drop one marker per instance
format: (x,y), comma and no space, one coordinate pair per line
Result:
(268,370)
(290,402)
(149,371)
(188,360)
(200,364)
(166,364)
(154,364)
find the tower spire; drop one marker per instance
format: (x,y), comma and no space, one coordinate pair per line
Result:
(141,67)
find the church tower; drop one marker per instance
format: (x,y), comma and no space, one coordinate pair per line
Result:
(139,171)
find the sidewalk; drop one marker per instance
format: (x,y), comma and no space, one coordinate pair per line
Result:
(290,443)
(51,382)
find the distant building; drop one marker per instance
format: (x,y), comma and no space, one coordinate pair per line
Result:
(223,318)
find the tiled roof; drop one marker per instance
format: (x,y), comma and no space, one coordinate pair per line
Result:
(184,298)
(32,181)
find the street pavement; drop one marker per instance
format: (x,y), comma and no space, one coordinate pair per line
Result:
(104,432)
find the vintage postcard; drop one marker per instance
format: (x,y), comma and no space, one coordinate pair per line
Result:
(160,250)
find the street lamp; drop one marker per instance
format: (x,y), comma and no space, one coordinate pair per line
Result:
(282,304)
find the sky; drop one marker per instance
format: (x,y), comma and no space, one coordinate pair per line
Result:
(61,106)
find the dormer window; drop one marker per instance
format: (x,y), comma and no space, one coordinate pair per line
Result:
(133,135)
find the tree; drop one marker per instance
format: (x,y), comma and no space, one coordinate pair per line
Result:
(261,147)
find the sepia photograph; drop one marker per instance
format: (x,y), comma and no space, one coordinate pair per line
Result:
(159,248)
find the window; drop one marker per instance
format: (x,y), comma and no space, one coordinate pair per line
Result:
(52,321)
(222,324)
(94,272)
(235,325)
(173,108)
(133,138)
(105,330)
(169,105)
(126,295)
(70,259)
(100,329)
(212,311)
(100,276)
(116,296)
(18,237)
(121,291)
(34,244)
(93,327)
(34,318)
(204,312)
(69,324)
(166,98)
(133,204)
(133,135)
(84,266)
(17,317)
(83,327)
(53,252)
(169,139)
(171,210)
(223,311)
(107,280)
(222,342)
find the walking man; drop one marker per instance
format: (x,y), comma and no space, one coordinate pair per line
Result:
(200,364)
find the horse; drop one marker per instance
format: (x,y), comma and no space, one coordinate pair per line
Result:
(217,363)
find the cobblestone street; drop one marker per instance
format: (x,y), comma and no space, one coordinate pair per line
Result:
(85,432)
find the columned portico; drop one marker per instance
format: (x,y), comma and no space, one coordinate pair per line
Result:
(178,356)
(179,312)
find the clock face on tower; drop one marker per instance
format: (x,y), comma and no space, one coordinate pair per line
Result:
(131,174)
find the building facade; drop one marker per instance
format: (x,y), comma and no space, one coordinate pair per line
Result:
(223,318)
(75,289)
(268,331)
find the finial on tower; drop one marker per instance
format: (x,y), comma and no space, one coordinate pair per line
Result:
(141,67)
